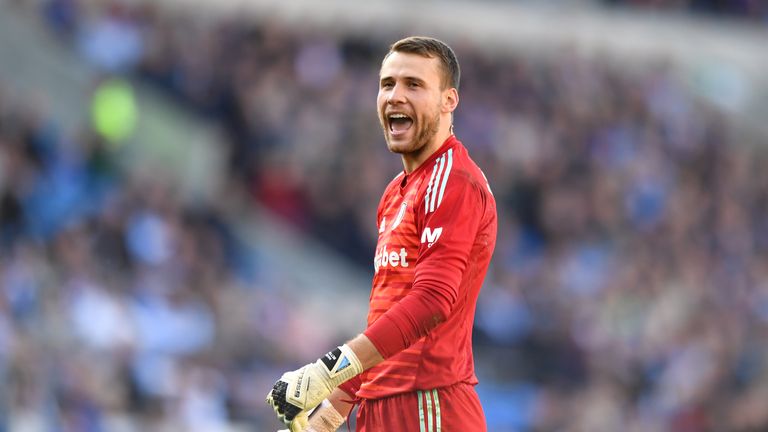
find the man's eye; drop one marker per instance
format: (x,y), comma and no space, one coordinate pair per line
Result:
(386,85)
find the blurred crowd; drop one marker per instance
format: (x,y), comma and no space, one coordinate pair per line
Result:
(118,302)
(747,10)
(629,289)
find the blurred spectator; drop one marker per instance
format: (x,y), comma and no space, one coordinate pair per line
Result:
(112,40)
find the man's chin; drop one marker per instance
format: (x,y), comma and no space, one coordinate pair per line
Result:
(399,147)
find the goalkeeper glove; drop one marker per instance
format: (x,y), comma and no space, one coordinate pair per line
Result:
(300,423)
(324,419)
(304,389)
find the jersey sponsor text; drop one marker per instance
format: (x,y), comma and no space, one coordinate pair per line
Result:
(386,258)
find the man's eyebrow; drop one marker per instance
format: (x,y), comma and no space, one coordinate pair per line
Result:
(415,79)
(406,78)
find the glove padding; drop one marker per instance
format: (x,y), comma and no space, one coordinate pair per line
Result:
(303,389)
(324,419)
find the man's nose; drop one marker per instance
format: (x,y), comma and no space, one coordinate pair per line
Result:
(396,95)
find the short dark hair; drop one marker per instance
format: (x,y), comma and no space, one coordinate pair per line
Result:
(431,48)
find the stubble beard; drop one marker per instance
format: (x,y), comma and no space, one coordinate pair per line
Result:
(420,142)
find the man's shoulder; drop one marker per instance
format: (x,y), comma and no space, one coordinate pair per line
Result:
(464,170)
(472,171)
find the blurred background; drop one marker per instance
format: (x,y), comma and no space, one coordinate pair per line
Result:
(188,196)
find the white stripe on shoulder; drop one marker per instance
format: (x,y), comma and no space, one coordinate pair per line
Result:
(433,197)
(445,176)
(429,188)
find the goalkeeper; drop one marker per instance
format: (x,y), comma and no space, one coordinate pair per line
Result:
(412,368)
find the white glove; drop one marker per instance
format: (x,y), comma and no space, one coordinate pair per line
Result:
(304,389)
(324,419)
(300,423)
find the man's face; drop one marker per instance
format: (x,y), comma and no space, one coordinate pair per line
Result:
(409,101)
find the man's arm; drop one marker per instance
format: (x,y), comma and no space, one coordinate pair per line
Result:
(340,402)
(439,269)
(369,357)
(365,351)
(330,414)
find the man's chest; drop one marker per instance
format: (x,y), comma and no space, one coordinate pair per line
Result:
(398,241)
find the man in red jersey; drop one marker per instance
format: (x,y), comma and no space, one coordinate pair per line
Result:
(412,368)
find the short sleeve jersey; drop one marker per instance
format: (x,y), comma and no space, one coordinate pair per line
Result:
(437,231)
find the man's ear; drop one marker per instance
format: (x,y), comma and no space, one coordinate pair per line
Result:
(450,100)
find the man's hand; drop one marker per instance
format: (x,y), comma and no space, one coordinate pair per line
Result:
(300,423)
(303,389)
(323,419)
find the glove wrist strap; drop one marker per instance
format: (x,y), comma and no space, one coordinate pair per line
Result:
(341,365)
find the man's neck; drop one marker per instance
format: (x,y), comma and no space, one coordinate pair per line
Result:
(412,161)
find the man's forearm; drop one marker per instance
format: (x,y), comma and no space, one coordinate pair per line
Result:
(365,351)
(341,402)
(369,357)
(330,414)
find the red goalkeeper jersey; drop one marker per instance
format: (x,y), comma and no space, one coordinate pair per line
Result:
(437,232)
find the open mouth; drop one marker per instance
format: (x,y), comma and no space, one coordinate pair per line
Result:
(399,123)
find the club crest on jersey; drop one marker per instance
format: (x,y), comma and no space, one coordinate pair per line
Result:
(430,236)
